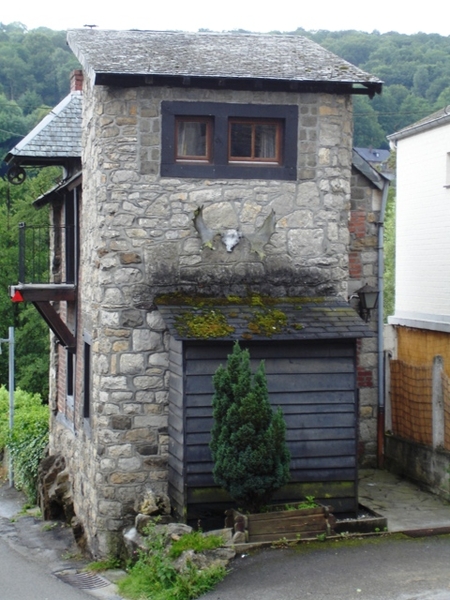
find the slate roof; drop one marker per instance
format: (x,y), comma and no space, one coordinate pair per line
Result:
(304,319)
(373,155)
(59,190)
(56,137)
(440,117)
(212,55)
(378,179)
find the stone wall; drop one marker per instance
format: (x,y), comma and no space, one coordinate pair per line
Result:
(138,239)
(363,268)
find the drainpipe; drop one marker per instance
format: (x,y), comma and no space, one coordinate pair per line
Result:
(380,325)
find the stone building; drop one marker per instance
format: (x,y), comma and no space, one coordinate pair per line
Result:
(216,206)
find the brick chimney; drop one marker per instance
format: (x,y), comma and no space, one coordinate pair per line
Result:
(76,81)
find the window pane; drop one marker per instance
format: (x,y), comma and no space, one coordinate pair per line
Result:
(266,141)
(241,140)
(192,139)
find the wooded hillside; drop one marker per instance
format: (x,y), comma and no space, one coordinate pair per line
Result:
(414,68)
(35,67)
(34,76)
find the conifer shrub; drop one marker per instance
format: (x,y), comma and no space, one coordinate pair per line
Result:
(248,439)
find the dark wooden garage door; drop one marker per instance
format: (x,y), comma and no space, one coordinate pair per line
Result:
(314,383)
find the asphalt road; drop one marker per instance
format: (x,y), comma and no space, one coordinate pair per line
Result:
(381,568)
(387,568)
(22,579)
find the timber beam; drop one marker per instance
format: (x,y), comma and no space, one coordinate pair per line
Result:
(42,296)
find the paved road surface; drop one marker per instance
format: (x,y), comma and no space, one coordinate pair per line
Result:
(376,569)
(389,568)
(22,579)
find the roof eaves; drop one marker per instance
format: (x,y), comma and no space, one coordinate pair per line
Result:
(56,191)
(440,117)
(247,83)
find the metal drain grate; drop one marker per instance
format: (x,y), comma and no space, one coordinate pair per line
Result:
(83,580)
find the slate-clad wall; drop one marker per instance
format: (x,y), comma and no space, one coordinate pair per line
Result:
(137,238)
(176,430)
(314,384)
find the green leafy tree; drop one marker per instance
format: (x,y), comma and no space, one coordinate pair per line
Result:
(443,99)
(31,332)
(367,130)
(28,439)
(248,445)
(421,80)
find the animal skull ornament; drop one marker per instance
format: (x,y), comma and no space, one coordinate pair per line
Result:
(230,237)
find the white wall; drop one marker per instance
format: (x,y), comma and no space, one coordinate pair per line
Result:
(423,228)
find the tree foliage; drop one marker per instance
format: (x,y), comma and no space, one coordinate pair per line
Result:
(415,70)
(251,459)
(28,439)
(35,67)
(34,75)
(31,332)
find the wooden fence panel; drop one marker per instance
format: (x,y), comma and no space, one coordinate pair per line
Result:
(411,402)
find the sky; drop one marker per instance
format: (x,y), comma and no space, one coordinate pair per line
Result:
(262,16)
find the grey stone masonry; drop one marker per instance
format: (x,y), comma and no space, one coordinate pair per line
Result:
(365,209)
(138,240)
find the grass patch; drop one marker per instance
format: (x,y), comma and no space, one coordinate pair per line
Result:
(194,541)
(104,565)
(151,580)
(154,576)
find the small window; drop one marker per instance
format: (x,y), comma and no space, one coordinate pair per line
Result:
(193,139)
(87,377)
(70,379)
(229,141)
(254,141)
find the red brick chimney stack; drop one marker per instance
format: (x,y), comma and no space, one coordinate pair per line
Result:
(76,81)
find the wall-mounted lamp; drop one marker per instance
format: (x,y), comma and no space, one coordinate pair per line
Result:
(368,300)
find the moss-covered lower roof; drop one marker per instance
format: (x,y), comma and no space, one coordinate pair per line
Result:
(261,318)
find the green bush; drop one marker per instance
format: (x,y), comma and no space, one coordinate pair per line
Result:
(248,445)
(29,438)
(154,576)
